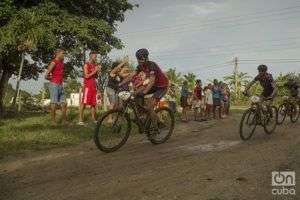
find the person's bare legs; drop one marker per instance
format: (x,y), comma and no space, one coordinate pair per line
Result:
(81,111)
(93,112)
(63,113)
(53,113)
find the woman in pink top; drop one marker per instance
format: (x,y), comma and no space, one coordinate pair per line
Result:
(54,74)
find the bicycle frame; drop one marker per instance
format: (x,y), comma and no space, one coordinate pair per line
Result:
(131,104)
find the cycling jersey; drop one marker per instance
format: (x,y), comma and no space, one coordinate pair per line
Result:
(267,84)
(151,68)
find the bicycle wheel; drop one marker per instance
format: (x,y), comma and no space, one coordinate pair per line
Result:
(248,124)
(282,112)
(270,120)
(295,112)
(112,131)
(163,130)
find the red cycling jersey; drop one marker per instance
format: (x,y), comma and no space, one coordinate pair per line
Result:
(57,72)
(150,68)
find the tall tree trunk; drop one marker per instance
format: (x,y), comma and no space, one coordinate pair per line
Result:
(5,75)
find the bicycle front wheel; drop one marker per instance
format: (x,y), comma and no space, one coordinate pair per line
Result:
(165,126)
(248,124)
(295,112)
(282,112)
(270,120)
(112,131)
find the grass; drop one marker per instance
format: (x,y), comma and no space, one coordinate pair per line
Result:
(35,133)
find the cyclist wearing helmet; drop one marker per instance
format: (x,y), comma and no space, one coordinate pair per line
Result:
(158,81)
(266,81)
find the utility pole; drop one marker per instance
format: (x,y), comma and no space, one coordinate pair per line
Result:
(236,76)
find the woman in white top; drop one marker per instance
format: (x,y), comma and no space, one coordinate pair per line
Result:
(208,100)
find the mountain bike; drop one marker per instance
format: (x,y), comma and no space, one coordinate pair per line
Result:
(114,127)
(290,107)
(259,114)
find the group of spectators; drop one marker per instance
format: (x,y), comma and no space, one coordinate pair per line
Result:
(210,101)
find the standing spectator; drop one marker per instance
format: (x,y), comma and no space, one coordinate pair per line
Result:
(197,101)
(172,99)
(208,101)
(89,97)
(54,74)
(184,101)
(217,95)
(226,99)
(114,78)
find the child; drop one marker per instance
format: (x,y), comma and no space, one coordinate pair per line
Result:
(208,99)
(184,101)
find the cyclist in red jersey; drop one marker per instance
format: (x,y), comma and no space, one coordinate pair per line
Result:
(89,95)
(158,81)
(54,74)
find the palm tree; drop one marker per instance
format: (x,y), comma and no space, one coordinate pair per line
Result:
(237,81)
(191,79)
(174,77)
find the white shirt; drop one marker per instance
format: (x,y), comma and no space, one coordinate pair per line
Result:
(208,97)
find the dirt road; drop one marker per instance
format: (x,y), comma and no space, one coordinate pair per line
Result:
(201,161)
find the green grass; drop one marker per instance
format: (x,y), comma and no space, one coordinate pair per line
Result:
(35,133)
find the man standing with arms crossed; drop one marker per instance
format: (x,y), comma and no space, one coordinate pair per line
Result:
(54,74)
(89,96)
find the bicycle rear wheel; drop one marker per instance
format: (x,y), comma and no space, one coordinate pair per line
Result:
(163,130)
(295,112)
(112,131)
(248,124)
(270,120)
(282,112)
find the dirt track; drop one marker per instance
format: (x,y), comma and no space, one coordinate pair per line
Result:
(201,161)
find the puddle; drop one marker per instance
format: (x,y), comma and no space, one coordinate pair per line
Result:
(220,146)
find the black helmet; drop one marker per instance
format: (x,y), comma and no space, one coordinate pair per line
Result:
(142,54)
(262,68)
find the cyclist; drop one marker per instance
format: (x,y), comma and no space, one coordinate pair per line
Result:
(268,84)
(158,81)
(293,87)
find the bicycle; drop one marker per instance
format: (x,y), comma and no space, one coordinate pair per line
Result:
(114,127)
(258,114)
(290,107)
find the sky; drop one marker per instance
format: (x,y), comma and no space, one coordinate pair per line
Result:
(203,36)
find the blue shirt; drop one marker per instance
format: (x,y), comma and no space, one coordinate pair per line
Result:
(217,93)
(184,91)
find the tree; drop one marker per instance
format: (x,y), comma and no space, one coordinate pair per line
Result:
(240,80)
(191,79)
(50,24)
(174,77)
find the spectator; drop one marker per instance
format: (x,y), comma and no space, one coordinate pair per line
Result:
(114,78)
(172,97)
(54,74)
(217,94)
(184,101)
(197,101)
(208,101)
(89,97)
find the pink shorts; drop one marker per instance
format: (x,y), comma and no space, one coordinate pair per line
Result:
(89,96)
